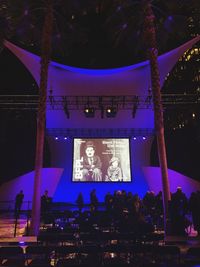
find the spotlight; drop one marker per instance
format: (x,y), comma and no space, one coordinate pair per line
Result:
(22,243)
(56,138)
(111,112)
(65,138)
(134,138)
(144,138)
(89,112)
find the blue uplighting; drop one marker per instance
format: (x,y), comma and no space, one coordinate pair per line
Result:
(22,243)
(98,71)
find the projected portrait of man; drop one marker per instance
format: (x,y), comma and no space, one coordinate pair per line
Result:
(91,164)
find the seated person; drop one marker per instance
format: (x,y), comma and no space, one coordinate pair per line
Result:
(91,164)
(114,172)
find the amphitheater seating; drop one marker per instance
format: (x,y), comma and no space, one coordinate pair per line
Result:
(12,256)
(193,255)
(110,254)
(39,255)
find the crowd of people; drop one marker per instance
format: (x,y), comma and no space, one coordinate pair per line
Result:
(130,210)
(183,212)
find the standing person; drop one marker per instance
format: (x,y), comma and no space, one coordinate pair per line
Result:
(45,204)
(108,202)
(91,164)
(178,209)
(194,203)
(18,202)
(80,201)
(93,201)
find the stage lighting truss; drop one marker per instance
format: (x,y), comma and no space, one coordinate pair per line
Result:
(100,132)
(97,103)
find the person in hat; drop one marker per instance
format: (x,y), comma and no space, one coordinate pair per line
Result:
(114,172)
(91,164)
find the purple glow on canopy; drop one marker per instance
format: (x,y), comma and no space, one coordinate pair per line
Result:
(134,73)
(129,80)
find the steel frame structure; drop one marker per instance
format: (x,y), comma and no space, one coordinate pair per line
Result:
(122,102)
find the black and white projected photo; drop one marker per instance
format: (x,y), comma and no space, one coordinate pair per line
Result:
(101,160)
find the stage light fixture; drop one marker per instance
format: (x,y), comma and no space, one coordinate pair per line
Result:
(135,106)
(111,112)
(89,112)
(66,110)
(21,243)
(102,112)
(134,110)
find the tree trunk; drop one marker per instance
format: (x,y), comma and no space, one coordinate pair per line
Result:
(41,117)
(150,42)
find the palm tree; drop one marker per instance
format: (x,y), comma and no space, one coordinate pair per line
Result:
(41,117)
(152,52)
